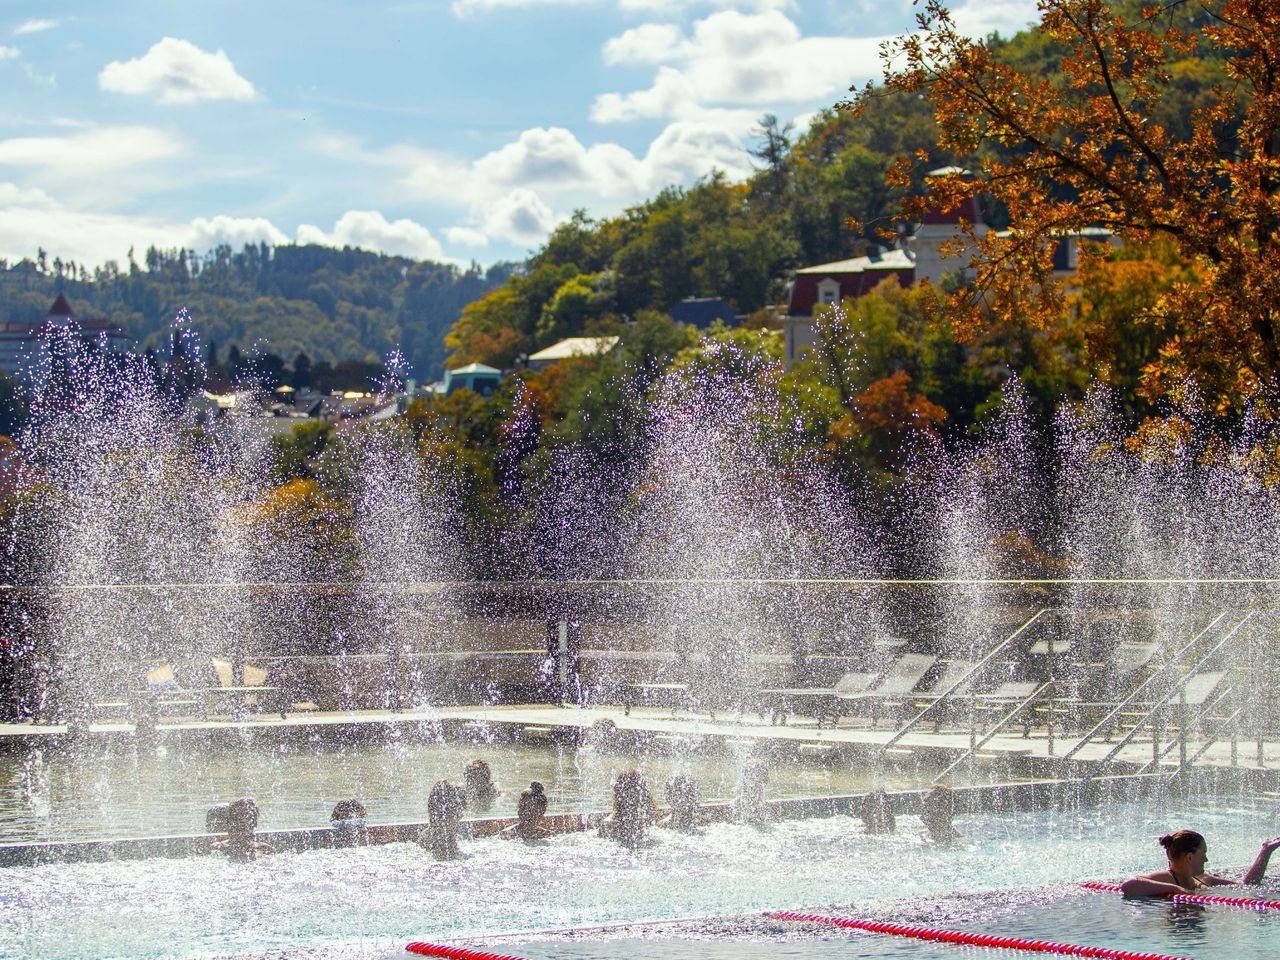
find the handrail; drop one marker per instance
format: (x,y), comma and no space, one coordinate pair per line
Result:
(1173,692)
(1133,694)
(946,694)
(990,734)
(1210,704)
(1204,748)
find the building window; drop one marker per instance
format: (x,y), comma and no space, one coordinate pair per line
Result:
(828,292)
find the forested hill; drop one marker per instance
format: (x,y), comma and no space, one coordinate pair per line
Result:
(820,194)
(334,305)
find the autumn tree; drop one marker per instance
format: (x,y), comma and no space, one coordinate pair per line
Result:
(1080,146)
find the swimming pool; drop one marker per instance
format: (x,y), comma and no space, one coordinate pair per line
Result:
(368,902)
(121,792)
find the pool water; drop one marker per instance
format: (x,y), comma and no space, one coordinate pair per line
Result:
(1063,914)
(368,902)
(124,793)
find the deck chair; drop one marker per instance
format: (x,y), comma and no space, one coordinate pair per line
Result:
(902,677)
(824,704)
(1105,685)
(161,679)
(1198,690)
(1004,698)
(253,677)
(952,672)
(163,694)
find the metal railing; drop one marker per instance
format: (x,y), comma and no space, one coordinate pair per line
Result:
(945,696)
(1133,695)
(991,734)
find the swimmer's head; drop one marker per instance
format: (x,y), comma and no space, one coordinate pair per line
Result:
(1186,850)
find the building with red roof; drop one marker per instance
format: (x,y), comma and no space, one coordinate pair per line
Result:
(918,257)
(26,348)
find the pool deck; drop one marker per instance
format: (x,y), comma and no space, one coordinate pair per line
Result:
(802,736)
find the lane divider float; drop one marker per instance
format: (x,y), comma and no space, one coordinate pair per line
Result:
(1243,902)
(453,953)
(972,939)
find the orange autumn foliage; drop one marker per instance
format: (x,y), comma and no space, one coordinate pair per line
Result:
(1081,149)
(888,418)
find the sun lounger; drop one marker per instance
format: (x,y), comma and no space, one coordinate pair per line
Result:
(897,685)
(825,704)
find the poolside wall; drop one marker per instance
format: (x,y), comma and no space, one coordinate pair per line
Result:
(997,798)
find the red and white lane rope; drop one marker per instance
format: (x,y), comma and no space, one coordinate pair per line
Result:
(972,939)
(453,953)
(1243,902)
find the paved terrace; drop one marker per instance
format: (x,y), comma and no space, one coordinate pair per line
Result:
(1020,754)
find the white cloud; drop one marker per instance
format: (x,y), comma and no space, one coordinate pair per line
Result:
(520,191)
(32,218)
(462,8)
(466,236)
(207,233)
(88,152)
(370,230)
(177,71)
(34,26)
(9,53)
(1006,17)
(649,43)
(520,217)
(685,151)
(554,158)
(35,76)
(733,58)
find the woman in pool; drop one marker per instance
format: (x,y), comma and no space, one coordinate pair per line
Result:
(937,809)
(633,810)
(530,810)
(348,823)
(682,803)
(241,825)
(478,782)
(1188,853)
(876,812)
(444,811)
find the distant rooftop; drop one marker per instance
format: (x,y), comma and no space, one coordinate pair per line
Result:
(475,368)
(895,259)
(575,347)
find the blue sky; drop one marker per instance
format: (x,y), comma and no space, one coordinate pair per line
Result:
(451,130)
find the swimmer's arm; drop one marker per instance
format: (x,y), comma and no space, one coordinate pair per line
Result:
(1149,886)
(1255,873)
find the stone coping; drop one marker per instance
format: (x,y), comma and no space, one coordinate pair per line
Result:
(1023,795)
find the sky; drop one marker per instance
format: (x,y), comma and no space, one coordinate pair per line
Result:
(449,130)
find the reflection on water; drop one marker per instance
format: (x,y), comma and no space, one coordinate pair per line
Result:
(369,901)
(122,794)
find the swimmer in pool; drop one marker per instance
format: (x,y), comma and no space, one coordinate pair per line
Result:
(937,809)
(530,810)
(444,811)
(348,823)
(682,804)
(633,810)
(241,826)
(477,781)
(1188,853)
(876,811)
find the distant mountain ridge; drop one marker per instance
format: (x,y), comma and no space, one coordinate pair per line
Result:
(332,304)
